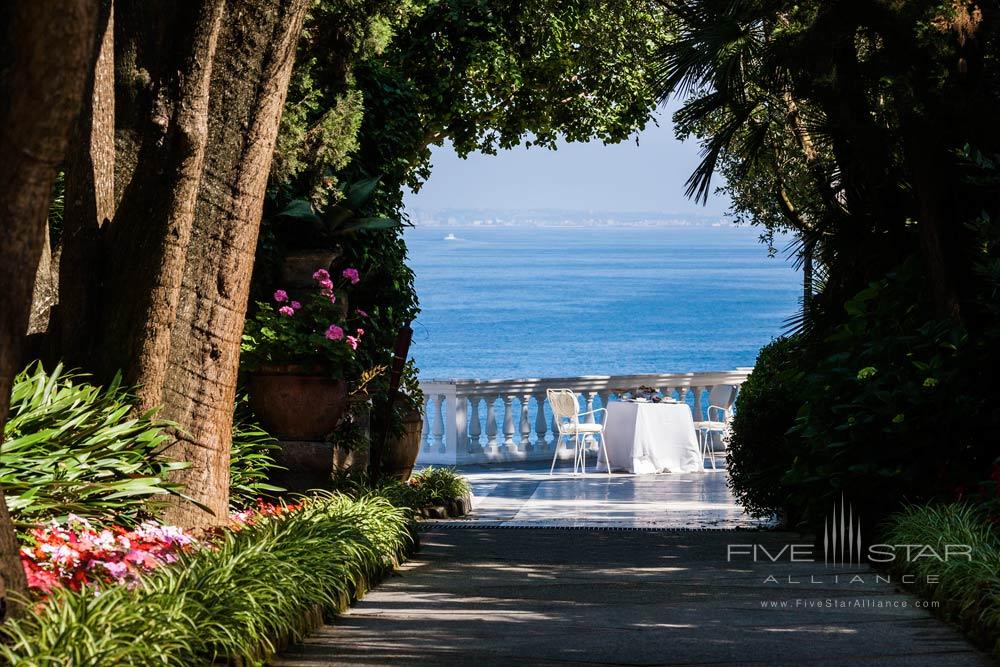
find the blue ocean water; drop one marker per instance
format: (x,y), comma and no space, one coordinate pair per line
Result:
(516,302)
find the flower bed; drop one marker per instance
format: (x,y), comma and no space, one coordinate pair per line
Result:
(75,553)
(232,595)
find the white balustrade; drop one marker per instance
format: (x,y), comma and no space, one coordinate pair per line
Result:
(453,422)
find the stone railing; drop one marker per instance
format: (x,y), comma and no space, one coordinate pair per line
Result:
(486,421)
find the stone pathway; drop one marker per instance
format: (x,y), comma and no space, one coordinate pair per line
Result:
(587,571)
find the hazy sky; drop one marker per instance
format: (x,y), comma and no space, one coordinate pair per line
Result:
(591,176)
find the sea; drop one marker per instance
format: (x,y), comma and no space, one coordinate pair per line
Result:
(533,302)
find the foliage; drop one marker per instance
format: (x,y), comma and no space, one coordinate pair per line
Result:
(968,589)
(233,600)
(436,486)
(251,460)
(74,447)
(319,332)
(300,224)
(892,388)
(867,129)
(760,449)
(425,488)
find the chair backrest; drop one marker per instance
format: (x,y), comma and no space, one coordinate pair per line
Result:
(564,404)
(723,396)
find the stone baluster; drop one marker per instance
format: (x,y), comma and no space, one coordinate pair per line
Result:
(541,425)
(457,429)
(425,430)
(475,428)
(556,440)
(437,428)
(682,394)
(491,425)
(605,399)
(525,444)
(590,407)
(508,424)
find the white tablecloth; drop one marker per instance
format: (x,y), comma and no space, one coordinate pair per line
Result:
(645,438)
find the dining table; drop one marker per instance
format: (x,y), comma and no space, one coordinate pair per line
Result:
(644,437)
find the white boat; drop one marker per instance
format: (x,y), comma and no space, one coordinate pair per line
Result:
(451,237)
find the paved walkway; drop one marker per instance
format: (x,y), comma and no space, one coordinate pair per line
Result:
(492,592)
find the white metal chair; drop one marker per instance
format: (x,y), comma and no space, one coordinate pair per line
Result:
(566,409)
(720,412)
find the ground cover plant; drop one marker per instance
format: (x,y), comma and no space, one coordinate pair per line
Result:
(230,595)
(968,589)
(73,447)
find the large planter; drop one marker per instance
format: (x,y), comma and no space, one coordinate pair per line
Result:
(401,454)
(297,402)
(298,266)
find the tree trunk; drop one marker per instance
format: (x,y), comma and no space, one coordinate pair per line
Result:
(45,59)
(249,83)
(164,60)
(89,206)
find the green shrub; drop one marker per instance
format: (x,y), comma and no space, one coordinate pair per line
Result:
(251,461)
(220,603)
(895,408)
(427,487)
(436,486)
(760,449)
(968,590)
(74,447)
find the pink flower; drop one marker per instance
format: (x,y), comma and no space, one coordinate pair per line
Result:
(361,332)
(326,284)
(287,310)
(296,305)
(321,274)
(333,332)
(280,296)
(352,275)
(360,312)
(353,342)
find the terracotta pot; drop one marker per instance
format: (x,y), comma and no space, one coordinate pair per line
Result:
(297,402)
(298,267)
(401,454)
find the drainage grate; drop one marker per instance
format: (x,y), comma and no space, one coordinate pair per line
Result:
(462,525)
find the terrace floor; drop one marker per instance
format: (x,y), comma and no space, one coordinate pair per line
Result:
(526,496)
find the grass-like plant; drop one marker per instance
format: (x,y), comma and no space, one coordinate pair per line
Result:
(437,486)
(968,589)
(229,601)
(251,459)
(74,447)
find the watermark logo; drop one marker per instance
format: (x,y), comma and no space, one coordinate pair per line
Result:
(844,550)
(842,536)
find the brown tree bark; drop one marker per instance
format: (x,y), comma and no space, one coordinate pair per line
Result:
(89,206)
(249,84)
(164,61)
(45,60)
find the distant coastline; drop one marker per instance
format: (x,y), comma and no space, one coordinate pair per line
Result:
(482,218)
